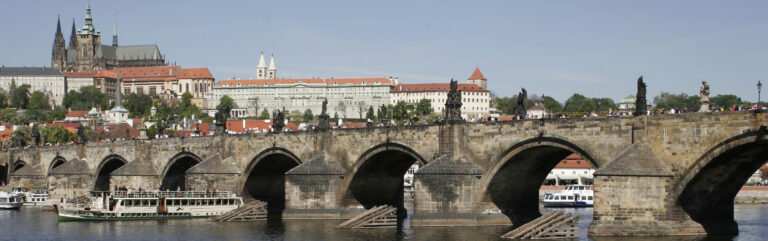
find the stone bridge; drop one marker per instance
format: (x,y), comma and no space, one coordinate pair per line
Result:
(665,174)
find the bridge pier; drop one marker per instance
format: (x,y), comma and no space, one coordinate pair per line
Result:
(445,195)
(214,174)
(634,197)
(313,191)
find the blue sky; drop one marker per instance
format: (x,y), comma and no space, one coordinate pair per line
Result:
(556,48)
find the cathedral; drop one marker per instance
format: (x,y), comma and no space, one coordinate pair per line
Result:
(86,53)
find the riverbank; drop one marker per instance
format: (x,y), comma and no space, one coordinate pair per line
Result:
(747,194)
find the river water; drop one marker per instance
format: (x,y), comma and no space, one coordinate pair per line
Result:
(31,223)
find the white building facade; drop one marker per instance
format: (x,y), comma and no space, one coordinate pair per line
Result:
(475,98)
(44,79)
(349,97)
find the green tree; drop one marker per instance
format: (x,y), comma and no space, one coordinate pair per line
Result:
(402,111)
(19,95)
(264,114)
(308,116)
(424,107)
(7,114)
(605,104)
(187,108)
(21,136)
(576,103)
(505,105)
(370,114)
(137,105)
(57,134)
(3,99)
(551,104)
(667,101)
(39,101)
(58,114)
(725,101)
(85,98)
(294,116)
(225,105)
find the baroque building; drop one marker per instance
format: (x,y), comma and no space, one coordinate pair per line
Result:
(475,98)
(86,53)
(47,80)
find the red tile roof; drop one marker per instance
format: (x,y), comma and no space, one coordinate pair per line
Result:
(78,74)
(574,161)
(434,88)
(253,126)
(77,113)
(354,124)
(246,82)
(477,75)
(67,125)
(195,73)
(162,73)
(6,134)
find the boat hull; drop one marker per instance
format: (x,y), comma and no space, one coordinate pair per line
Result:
(75,218)
(566,204)
(10,206)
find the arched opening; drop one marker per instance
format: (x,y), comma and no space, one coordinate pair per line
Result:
(58,161)
(708,197)
(514,186)
(174,177)
(379,180)
(107,166)
(18,165)
(4,174)
(266,178)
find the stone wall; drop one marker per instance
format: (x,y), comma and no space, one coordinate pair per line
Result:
(638,205)
(213,182)
(70,186)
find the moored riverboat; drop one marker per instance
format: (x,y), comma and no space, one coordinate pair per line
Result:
(10,200)
(572,196)
(121,205)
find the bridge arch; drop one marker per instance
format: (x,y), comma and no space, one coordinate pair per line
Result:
(108,164)
(173,174)
(264,177)
(377,177)
(56,162)
(513,183)
(707,189)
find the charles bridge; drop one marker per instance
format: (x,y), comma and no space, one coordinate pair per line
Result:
(660,174)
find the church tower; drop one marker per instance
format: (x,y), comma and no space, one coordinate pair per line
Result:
(73,37)
(88,42)
(59,54)
(261,69)
(114,34)
(478,79)
(272,70)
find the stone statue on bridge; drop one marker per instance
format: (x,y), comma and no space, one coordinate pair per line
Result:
(81,139)
(704,97)
(323,120)
(278,121)
(35,134)
(521,109)
(383,114)
(221,122)
(453,103)
(641,104)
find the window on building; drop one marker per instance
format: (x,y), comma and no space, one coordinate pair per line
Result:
(153,91)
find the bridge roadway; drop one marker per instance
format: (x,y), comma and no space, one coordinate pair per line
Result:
(662,174)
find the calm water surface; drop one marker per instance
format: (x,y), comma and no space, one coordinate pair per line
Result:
(36,224)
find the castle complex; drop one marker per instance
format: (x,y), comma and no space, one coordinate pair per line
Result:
(86,53)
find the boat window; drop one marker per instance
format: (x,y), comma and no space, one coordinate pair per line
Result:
(590,197)
(237,202)
(184,202)
(144,202)
(557,197)
(570,197)
(218,201)
(583,198)
(198,202)
(581,188)
(152,202)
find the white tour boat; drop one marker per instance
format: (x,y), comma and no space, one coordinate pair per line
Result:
(121,205)
(572,196)
(10,200)
(35,199)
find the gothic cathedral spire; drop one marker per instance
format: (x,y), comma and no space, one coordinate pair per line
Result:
(73,36)
(114,34)
(59,53)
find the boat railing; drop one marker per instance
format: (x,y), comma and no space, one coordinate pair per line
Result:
(166,194)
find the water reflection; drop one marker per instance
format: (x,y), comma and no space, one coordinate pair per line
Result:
(35,224)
